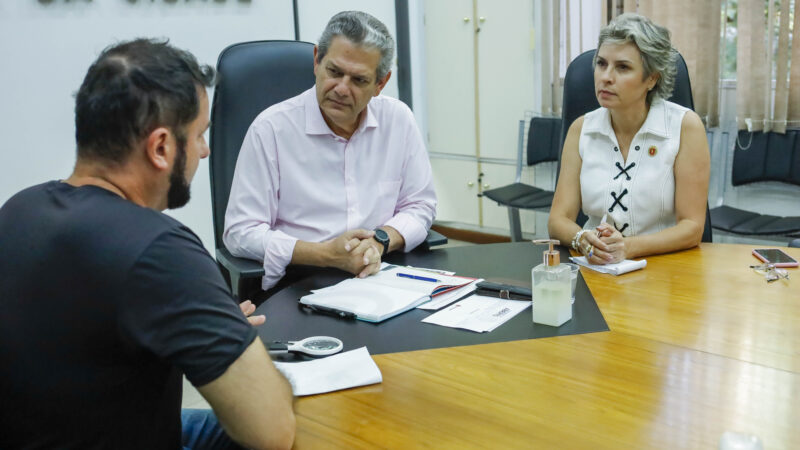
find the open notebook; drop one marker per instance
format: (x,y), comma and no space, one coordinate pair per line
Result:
(393,290)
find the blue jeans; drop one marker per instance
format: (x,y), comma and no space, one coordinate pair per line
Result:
(201,430)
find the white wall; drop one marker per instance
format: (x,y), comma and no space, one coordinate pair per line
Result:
(416,44)
(47,47)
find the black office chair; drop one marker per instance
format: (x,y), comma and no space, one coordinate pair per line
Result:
(543,140)
(252,77)
(760,157)
(579,98)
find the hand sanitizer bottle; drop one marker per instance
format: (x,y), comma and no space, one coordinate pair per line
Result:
(552,304)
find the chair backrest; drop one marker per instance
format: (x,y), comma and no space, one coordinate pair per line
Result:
(769,156)
(579,98)
(252,77)
(543,140)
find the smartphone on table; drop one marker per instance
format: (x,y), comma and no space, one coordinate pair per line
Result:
(775,256)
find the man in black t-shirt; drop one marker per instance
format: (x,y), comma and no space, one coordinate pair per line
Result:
(105,301)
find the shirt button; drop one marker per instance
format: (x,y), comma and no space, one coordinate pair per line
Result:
(616,149)
(636,148)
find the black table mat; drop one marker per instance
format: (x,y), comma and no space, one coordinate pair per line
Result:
(511,262)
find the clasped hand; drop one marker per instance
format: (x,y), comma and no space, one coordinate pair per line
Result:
(608,245)
(355,251)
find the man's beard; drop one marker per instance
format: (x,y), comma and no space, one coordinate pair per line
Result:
(178,194)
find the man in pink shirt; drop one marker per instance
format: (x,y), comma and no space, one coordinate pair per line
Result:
(337,176)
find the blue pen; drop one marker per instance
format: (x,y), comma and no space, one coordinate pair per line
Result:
(417,277)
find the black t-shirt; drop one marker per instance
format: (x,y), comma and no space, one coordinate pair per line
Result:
(103,304)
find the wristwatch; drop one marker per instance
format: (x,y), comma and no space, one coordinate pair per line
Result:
(383,238)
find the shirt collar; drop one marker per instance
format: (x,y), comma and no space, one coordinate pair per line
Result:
(315,123)
(655,123)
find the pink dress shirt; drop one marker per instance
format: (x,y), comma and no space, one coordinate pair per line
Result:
(296,179)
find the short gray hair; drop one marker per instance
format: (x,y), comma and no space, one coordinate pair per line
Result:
(363,30)
(653,41)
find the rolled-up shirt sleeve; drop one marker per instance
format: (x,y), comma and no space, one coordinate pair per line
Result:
(253,206)
(416,202)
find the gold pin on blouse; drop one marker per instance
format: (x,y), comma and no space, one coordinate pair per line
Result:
(652,150)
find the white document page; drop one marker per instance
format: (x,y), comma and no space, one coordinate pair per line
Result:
(439,271)
(615,269)
(478,313)
(385,294)
(449,297)
(368,301)
(342,371)
(389,277)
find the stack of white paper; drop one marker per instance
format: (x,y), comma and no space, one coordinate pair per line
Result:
(478,313)
(614,269)
(342,371)
(368,301)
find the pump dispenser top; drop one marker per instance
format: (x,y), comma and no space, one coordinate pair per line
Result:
(550,257)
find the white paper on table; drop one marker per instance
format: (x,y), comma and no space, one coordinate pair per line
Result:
(445,299)
(391,291)
(478,313)
(439,271)
(342,371)
(615,269)
(387,276)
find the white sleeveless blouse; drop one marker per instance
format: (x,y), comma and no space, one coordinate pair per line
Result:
(638,194)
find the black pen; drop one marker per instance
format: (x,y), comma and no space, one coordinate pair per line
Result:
(331,312)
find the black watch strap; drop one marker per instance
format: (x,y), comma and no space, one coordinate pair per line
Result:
(383,238)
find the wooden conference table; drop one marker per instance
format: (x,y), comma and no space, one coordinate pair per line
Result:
(699,344)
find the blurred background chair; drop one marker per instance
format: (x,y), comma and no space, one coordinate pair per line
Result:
(542,146)
(579,98)
(252,77)
(760,157)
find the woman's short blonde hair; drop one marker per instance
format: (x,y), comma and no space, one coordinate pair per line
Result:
(653,42)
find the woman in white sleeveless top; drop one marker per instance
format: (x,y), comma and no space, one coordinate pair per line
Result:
(639,160)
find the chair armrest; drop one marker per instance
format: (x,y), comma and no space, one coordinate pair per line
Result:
(239,267)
